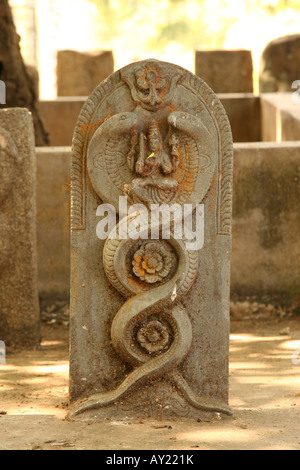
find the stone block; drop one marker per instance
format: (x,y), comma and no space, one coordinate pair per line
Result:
(280,64)
(266,221)
(19,305)
(78,73)
(54,238)
(226,71)
(150,316)
(280,117)
(290,125)
(243,110)
(244,113)
(60,118)
(53,221)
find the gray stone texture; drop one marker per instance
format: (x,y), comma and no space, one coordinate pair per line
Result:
(78,73)
(280,64)
(53,166)
(266,222)
(226,71)
(53,222)
(60,116)
(280,117)
(244,114)
(19,305)
(189,307)
(243,110)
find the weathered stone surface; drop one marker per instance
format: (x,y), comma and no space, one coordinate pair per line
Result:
(280,64)
(53,222)
(266,222)
(280,117)
(290,125)
(53,167)
(226,71)
(60,117)
(244,113)
(150,319)
(78,73)
(19,306)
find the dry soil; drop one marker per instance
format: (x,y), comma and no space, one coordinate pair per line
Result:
(264,393)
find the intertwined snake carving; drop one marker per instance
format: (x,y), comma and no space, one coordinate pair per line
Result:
(151,310)
(170,145)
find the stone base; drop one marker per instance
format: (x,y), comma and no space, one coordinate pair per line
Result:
(152,400)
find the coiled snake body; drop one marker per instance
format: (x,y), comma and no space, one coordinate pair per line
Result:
(152,313)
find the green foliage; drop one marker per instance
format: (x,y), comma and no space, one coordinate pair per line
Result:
(152,25)
(156,23)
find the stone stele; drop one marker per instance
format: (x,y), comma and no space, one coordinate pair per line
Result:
(150,316)
(19,305)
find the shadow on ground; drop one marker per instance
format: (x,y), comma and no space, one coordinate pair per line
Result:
(264,393)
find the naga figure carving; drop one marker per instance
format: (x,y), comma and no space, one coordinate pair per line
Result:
(153,153)
(147,166)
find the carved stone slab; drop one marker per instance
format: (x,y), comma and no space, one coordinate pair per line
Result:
(19,306)
(150,313)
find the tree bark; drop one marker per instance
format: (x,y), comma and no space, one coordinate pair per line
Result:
(20,90)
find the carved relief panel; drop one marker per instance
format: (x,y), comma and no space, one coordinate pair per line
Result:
(157,135)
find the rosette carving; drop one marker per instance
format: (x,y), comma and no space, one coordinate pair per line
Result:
(152,262)
(153,337)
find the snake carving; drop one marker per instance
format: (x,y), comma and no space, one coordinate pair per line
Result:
(161,161)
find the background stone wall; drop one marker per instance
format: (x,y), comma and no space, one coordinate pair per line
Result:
(266,223)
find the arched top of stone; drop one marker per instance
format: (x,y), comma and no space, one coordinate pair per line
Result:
(148,87)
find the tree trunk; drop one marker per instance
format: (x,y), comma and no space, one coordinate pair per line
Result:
(20,90)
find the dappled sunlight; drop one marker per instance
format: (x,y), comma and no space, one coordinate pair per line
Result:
(291,345)
(214,435)
(37,382)
(252,338)
(47,368)
(262,369)
(264,395)
(46,344)
(5,388)
(58,369)
(234,436)
(244,365)
(36,411)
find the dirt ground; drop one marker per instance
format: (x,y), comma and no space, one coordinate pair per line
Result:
(264,394)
